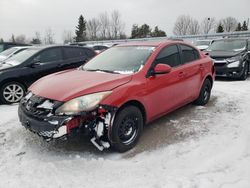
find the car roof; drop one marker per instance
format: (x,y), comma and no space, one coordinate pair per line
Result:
(204,39)
(22,47)
(41,47)
(151,43)
(231,39)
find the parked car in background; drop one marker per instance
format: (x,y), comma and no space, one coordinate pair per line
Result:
(98,47)
(7,45)
(203,44)
(231,57)
(117,92)
(18,72)
(11,51)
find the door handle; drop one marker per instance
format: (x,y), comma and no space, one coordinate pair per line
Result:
(201,66)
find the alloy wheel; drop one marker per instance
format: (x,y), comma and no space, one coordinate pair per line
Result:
(13,93)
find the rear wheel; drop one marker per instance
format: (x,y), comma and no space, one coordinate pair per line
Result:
(127,128)
(205,93)
(12,92)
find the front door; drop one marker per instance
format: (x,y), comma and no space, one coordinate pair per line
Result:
(165,91)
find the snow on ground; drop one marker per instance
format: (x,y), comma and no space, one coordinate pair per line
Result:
(193,147)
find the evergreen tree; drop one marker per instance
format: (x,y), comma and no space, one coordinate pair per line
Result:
(238,28)
(244,26)
(80,30)
(158,33)
(135,31)
(220,28)
(1,40)
(144,31)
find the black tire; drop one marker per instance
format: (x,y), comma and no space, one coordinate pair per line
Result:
(205,93)
(12,92)
(127,128)
(245,72)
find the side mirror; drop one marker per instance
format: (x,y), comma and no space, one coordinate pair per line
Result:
(162,69)
(35,64)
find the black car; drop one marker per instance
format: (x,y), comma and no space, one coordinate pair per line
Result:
(17,73)
(7,45)
(231,57)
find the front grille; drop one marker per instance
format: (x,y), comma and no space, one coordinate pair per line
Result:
(220,64)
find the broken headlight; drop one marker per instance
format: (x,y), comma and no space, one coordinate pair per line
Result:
(83,103)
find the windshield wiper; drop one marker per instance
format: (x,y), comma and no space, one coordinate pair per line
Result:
(102,70)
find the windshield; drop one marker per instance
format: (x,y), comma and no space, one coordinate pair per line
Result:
(228,45)
(202,42)
(123,60)
(8,52)
(22,56)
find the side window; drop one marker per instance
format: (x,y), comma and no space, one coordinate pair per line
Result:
(74,52)
(189,54)
(170,56)
(90,53)
(49,55)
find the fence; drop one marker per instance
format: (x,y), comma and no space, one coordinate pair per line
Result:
(244,34)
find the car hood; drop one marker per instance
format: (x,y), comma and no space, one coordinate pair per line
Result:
(223,54)
(2,57)
(4,65)
(66,85)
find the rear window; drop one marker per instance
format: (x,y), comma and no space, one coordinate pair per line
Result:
(189,54)
(75,52)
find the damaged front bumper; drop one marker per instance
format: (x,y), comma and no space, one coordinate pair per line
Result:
(47,127)
(97,123)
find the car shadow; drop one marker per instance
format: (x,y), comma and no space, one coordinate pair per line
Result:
(170,129)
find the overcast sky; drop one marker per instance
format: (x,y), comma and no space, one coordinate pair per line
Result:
(28,16)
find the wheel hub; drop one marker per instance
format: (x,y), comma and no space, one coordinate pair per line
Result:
(128,129)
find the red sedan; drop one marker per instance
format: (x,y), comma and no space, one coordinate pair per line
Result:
(117,92)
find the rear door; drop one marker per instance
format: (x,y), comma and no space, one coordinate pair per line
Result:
(192,71)
(166,91)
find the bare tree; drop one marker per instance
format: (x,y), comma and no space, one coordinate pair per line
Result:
(20,39)
(207,25)
(49,37)
(104,25)
(229,24)
(93,28)
(194,27)
(67,36)
(116,24)
(181,26)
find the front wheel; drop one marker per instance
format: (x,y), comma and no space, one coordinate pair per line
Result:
(127,128)
(245,72)
(12,92)
(205,93)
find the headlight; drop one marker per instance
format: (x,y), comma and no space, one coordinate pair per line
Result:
(83,103)
(233,59)
(234,64)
